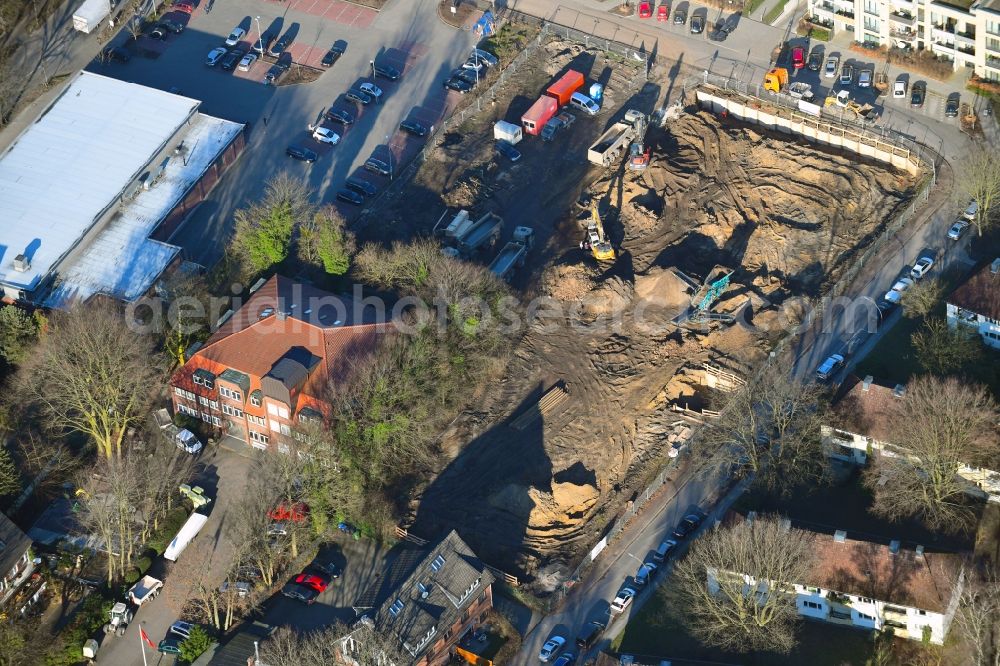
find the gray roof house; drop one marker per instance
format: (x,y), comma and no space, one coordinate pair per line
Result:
(15,559)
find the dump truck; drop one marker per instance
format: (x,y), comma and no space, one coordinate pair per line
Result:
(484,232)
(147,588)
(638,156)
(89,15)
(776,79)
(513,253)
(535,118)
(456,228)
(800,90)
(565,86)
(616,139)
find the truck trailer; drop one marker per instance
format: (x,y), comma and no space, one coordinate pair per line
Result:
(89,15)
(616,139)
(535,118)
(188,532)
(484,232)
(565,86)
(513,253)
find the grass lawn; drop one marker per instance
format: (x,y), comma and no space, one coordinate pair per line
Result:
(653,633)
(893,360)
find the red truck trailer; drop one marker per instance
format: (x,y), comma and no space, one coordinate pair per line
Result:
(539,113)
(567,84)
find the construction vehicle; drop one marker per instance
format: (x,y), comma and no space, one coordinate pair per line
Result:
(456,228)
(638,157)
(711,290)
(776,79)
(615,140)
(145,589)
(564,119)
(596,240)
(800,90)
(119,618)
(513,253)
(484,232)
(843,100)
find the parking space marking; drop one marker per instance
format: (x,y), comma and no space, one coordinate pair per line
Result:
(310,56)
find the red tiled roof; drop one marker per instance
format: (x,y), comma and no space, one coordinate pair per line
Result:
(868,569)
(862,412)
(258,335)
(979,294)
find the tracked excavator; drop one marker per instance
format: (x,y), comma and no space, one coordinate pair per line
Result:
(596,238)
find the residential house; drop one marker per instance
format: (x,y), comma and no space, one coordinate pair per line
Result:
(873,586)
(16,565)
(860,426)
(965,32)
(976,304)
(429,598)
(267,367)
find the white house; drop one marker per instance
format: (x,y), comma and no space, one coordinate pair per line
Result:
(874,586)
(976,304)
(859,426)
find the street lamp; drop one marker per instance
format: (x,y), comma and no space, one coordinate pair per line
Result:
(373,70)
(260,37)
(389,147)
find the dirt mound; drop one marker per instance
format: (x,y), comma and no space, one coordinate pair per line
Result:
(662,288)
(612,296)
(569,282)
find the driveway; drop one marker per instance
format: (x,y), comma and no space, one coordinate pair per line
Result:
(223,474)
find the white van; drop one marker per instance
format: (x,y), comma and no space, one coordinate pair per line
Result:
(584,103)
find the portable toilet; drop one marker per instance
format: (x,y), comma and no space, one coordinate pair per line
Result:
(90,648)
(596,92)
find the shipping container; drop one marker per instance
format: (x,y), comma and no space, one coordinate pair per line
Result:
(567,84)
(539,113)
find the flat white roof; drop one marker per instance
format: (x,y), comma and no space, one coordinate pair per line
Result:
(65,169)
(122,261)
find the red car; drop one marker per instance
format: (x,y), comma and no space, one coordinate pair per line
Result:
(645,10)
(312,580)
(662,12)
(296,513)
(798,57)
(185,7)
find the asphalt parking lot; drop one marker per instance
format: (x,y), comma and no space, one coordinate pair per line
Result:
(412,39)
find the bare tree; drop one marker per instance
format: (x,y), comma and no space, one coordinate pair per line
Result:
(980,182)
(921,299)
(161,469)
(978,619)
(731,588)
(90,374)
(111,494)
(937,426)
(942,349)
(333,644)
(769,429)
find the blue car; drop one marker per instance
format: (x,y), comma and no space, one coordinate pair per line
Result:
(507,149)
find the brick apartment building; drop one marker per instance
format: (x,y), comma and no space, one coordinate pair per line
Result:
(267,368)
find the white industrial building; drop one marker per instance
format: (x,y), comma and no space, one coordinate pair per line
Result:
(90,191)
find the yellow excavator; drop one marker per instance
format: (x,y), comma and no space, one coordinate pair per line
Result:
(596,238)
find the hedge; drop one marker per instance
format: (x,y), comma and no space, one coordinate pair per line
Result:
(169,527)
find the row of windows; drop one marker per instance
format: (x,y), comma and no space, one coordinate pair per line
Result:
(232,411)
(214,420)
(190,411)
(204,381)
(281,427)
(815,605)
(277,410)
(230,393)
(259,437)
(991,335)
(257,420)
(214,404)
(184,394)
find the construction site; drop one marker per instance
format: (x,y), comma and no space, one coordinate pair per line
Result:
(666,262)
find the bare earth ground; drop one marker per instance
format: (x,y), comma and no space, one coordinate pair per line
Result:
(785,217)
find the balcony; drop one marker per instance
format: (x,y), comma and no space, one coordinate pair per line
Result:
(844,15)
(905,5)
(965,38)
(903,18)
(967,50)
(822,22)
(903,35)
(939,35)
(994,62)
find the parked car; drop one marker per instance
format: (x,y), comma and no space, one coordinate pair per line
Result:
(846,75)
(458,85)
(565,659)
(507,149)
(358,96)
(958,229)
(185,7)
(117,54)
(157,32)
(921,268)
(645,9)
(306,595)
(798,57)
(720,31)
(235,36)
(280,46)
(296,512)
(328,568)
(301,154)
(386,72)
(181,628)
(917,94)
(815,59)
(475,65)
(215,55)
(371,90)
(830,70)
(362,187)
(273,74)
(351,197)
(175,27)
(829,367)
(662,12)
(378,166)
(339,116)
(466,75)
(314,580)
(325,135)
(552,647)
(589,634)
(680,17)
(490,59)
(899,88)
(332,55)
(663,550)
(169,646)
(865,78)
(687,525)
(970,211)
(645,573)
(697,25)
(187,442)
(263,43)
(623,600)
(895,294)
(232,58)
(951,105)
(247,63)
(413,127)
